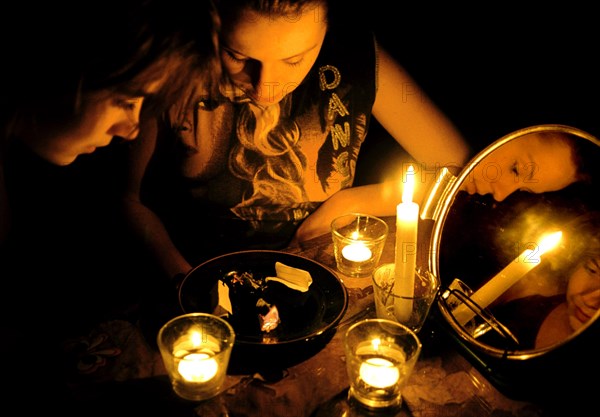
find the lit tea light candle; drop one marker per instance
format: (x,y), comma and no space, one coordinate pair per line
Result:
(198,367)
(379,372)
(357,251)
(521,265)
(196,360)
(195,349)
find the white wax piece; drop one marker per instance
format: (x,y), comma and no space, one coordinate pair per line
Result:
(294,278)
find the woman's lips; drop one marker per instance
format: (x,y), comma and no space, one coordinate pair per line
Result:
(580,315)
(89,149)
(470,187)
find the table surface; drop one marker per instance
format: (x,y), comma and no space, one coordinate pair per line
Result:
(120,368)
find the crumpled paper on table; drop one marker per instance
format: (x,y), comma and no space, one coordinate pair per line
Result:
(294,278)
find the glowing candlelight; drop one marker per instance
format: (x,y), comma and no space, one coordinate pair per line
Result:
(376,370)
(357,251)
(407,221)
(195,349)
(521,265)
(196,365)
(379,372)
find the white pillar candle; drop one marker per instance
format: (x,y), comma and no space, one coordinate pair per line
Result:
(521,265)
(407,221)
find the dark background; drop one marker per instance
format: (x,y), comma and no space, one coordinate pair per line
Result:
(494,71)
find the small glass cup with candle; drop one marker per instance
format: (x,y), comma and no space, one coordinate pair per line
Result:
(358,241)
(195,349)
(409,309)
(380,357)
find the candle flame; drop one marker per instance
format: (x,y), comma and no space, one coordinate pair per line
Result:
(196,339)
(409,185)
(376,342)
(549,242)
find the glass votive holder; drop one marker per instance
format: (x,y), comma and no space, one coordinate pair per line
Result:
(358,241)
(380,357)
(408,309)
(195,349)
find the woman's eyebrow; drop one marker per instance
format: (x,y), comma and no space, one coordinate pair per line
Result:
(235,51)
(137,92)
(230,49)
(531,164)
(301,53)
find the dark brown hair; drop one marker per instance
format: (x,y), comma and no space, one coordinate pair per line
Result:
(62,53)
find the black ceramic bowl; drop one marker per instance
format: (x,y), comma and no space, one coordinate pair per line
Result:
(308,319)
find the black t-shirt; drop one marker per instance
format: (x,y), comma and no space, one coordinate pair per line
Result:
(216,186)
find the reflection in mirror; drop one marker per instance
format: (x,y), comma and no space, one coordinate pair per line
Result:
(562,293)
(536,162)
(507,285)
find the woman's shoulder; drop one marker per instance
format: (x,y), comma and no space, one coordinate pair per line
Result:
(555,327)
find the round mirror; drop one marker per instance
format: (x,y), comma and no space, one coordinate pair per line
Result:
(516,245)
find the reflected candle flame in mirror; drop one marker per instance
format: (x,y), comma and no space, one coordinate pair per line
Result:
(521,265)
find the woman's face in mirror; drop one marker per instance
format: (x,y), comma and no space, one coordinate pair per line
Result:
(537,162)
(583,293)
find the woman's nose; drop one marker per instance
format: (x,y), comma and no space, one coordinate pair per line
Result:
(130,133)
(128,127)
(267,84)
(501,191)
(264,81)
(251,74)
